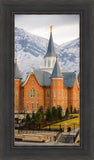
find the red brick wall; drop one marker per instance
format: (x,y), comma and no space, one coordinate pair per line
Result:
(73,98)
(47,100)
(68,96)
(33,83)
(17,95)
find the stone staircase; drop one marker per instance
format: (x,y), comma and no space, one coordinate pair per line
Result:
(66,138)
(71,137)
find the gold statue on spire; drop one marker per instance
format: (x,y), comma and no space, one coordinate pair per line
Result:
(51,29)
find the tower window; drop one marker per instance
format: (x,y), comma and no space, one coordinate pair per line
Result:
(66,94)
(49,63)
(54,82)
(58,93)
(27,93)
(54,93)
(32,92)
(17,83)
(47,93)
(63,93)
(59,83)
(16,93)
(54,104)
(47,104)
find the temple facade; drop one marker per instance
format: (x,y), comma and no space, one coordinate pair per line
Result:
(47,86)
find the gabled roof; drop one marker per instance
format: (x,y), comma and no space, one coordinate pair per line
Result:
(56,71)
(69,79)
(17,74)
(51,51)
(44,79)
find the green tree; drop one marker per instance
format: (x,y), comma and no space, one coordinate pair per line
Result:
(41,111)
(71,110)
(59,110)
(33,116)
(28,119)
(75,110)
(54,114)
(67,113)
(48,115)
(38,118)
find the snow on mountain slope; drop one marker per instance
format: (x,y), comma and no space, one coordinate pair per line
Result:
(30,50)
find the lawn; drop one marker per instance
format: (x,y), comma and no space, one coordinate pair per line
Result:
(72,123)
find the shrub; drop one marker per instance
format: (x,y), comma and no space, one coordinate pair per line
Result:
(38,118)
(75,110)
(59,110)
(71,110)
(54,114)
(41,111)
(28,119)
(48,115)
(67,113)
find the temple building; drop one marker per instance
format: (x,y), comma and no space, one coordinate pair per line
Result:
(47,86)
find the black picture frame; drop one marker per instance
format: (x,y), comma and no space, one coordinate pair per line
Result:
(7,149)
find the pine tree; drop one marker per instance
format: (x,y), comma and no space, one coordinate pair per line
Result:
(54,114)
(33,115)
(75,110)
(48,115)
(41,111)
(28,119)
(67,113)
(59,110)
(71,110)
(38,118)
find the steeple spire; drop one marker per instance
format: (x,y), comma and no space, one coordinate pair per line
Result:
(51,29)
(56,71)
(51,51)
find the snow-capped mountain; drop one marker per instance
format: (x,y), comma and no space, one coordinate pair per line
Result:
(30,50)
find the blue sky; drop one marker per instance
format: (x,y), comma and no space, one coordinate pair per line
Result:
(65,26)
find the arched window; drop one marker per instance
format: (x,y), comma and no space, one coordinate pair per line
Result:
(47,104)
(54,82)
(48,94)
(32,92)
(17,83)
(54,104)
(16,93)
(63,93)
(53,63)
(48,63)
(59,93)
(54,93)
